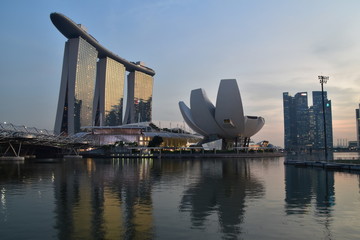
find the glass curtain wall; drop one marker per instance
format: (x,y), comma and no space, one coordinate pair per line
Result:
(84,84)
(109,93)
(140,87)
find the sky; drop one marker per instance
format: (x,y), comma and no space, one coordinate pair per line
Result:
(269,46)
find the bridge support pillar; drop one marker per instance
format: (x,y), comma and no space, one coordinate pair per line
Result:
(16,153)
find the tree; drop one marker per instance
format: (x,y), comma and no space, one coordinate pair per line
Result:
(156,141)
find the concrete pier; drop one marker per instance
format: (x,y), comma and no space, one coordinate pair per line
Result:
(12,158)
(324,165)
(73,156)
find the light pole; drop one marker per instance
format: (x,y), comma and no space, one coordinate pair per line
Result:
(324,79)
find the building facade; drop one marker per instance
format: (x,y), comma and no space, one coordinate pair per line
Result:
(288,123)
(357,112)
(92,83)
(75,104)
(109,93)
(303,125)
(140,134)
(139,98)
(296,121)
(317,121)
(223,126)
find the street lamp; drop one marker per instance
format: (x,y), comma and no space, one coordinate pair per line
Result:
(324,79)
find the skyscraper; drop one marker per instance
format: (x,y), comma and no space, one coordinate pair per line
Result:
(92,83)
(75,104)
(357,111)
(296,121)
(288,122)
(139,98)
(109,93)
(303,125)
(317,121)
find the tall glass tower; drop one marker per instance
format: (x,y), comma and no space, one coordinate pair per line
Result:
(357,111)
(76,97)
(302,119)
(296,121)
(289,124)
(304,126)
(139,98)
(92,83)
(109,93)
(317,140)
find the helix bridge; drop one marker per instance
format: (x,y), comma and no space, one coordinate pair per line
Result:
(23,141)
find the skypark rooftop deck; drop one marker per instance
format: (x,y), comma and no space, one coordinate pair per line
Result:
(72,30)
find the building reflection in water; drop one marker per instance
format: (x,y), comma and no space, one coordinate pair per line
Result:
(307,187)
(304,185)
(189,198)
(223,188)
(104,201)
(95,200)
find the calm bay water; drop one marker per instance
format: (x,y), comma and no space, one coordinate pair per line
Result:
(176,199)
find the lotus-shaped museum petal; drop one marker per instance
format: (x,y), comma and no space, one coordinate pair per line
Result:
(226,120)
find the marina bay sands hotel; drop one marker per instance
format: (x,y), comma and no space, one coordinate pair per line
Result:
(92,83)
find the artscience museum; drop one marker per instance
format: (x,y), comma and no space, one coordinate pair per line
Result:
(224,123)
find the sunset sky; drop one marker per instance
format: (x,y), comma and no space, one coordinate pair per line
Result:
(269,46)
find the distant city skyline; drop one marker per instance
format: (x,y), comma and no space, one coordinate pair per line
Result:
(304,124)
(269,46)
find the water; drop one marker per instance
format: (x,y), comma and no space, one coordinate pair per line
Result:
(176,199)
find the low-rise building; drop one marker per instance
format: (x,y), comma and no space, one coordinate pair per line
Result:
(140,134)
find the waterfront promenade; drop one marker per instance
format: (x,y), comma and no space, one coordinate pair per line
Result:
(346,161)
(186,152)
(324,164)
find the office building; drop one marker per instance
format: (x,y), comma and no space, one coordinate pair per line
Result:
(288,110)
(357,111)
(296,121)
(92,83)
(317,121)
(303,125)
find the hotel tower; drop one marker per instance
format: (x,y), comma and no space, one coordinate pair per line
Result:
(92,83)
